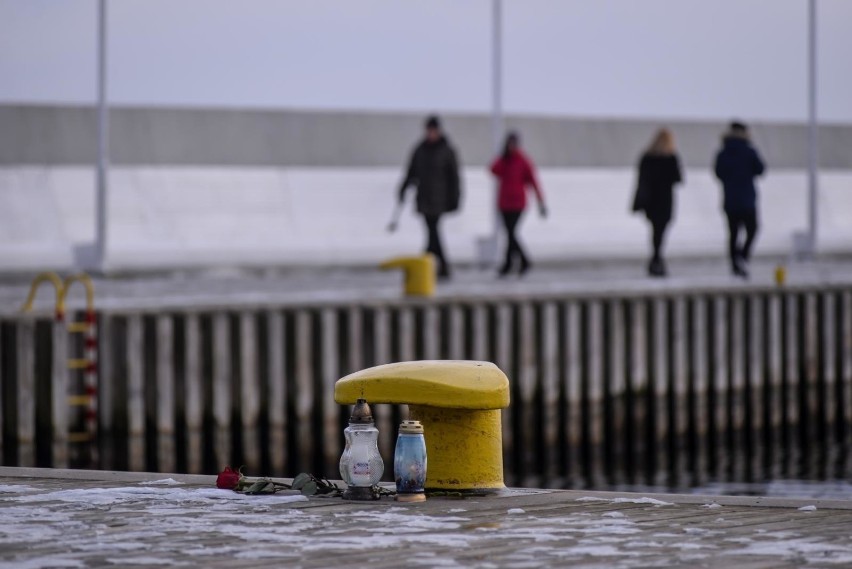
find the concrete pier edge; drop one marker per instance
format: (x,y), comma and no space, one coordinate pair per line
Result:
(113,477)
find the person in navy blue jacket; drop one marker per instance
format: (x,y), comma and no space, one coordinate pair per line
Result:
(737,165)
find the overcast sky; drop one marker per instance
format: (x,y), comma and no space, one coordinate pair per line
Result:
(650,58)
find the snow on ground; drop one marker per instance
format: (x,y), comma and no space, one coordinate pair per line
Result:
(164,525)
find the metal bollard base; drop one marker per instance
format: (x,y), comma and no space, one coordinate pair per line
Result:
(362,493)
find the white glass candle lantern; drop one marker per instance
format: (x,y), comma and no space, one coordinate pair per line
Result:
(361,465)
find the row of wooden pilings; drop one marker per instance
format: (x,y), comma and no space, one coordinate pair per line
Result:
(673,389)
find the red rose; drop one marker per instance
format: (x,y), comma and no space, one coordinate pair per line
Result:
(228,479)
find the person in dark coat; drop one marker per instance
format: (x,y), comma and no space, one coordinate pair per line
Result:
(516,174)
(737,165)
(434,170)
(659,171)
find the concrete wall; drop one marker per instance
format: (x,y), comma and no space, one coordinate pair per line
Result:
(200,216)
(163,136)
(200,187)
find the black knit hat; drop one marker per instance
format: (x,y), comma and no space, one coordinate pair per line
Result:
(432,121)
(738,126)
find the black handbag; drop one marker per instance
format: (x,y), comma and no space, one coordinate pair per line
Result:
(640,198)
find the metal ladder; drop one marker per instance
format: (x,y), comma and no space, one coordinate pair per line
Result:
(82,432)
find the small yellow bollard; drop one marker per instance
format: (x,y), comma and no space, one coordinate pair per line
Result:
(780,275)
(458,403)
(419,273)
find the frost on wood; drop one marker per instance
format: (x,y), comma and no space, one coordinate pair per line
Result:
(643,500)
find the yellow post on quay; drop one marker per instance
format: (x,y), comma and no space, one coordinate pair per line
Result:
(419,273)
(780,275)
(458,403)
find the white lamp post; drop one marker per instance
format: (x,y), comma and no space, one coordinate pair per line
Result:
(804,242)
(813,132)
(103,143)
(487,245)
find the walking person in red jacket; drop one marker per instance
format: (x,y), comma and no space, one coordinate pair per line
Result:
(516,172)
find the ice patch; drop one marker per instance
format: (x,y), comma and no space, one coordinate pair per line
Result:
(112,545)
(24,514)
(264,554)
(17,531)
(643,500)
(202,550)
(740,540)
(360,543)
(613,515)
(810,550)
(516,511)
(15,488)
(43,563)
(699,531)
(652,501)
(159,561)
(810,508)
(691,546)
(610,529)
(431,560)
(456,510)
(693,556)
(163,482)
(391,520)
(536,534)
(643,543)
(600,551)
(604,539)
(174,496)
(780,534)
(711,506)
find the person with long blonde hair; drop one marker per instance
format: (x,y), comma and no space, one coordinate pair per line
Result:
(659,171)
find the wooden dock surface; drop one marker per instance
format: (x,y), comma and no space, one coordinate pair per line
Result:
(64,518)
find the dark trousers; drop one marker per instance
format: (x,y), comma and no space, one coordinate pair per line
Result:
(513,246)
(433,244)
(737,221)
(658,232)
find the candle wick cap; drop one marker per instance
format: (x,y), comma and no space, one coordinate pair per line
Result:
(361,414)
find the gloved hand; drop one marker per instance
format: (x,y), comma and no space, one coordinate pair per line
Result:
(542,210)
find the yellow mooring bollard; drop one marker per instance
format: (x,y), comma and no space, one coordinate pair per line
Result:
(419,273)
(780,275)
(458,403)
